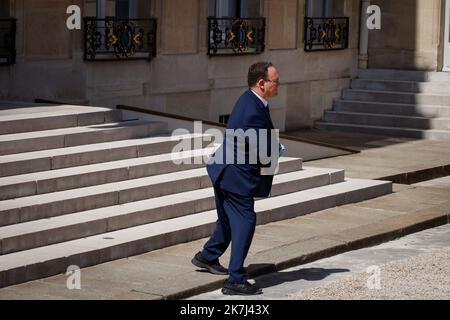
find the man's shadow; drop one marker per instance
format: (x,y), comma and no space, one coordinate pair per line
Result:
(278,277)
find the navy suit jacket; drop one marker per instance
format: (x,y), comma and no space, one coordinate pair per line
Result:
(245,179)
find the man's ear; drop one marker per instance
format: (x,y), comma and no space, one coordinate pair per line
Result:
(261,84)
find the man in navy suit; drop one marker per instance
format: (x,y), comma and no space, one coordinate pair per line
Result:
(238,171)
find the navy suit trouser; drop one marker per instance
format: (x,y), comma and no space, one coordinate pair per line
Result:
(236,224)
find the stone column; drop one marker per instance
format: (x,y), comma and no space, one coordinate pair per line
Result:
(363,57)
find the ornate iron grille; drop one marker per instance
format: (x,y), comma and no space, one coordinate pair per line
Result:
(114,39)
(326,33)
(236,36)
(7,41)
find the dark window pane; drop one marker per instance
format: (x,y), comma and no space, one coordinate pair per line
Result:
(123,9)
(235,8)
(324,8)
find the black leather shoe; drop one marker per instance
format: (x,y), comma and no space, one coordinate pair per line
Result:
(242,289)
(212,266)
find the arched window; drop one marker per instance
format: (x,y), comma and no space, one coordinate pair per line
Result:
(325,27)
(119,30)
(122,9)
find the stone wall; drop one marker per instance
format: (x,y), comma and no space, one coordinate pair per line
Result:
(409,37)
(46,66)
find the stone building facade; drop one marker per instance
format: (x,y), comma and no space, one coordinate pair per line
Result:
(411,37)
(180,76)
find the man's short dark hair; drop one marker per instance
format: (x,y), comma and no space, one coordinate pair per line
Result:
(258,71)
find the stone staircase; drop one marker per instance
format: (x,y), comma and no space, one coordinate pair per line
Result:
(412,104)
(82,186)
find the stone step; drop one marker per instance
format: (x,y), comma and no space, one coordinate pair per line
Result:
(15,108)
(42,118)
(391,108)
(12,104)
(396,97)
(401,86)
(44,232)
(95,174)
(386,131)
(35,161)
(68,137)
(408,75)
(54,259)
(387,120)
(118,193)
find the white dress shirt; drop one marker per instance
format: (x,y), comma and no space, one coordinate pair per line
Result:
(264,101)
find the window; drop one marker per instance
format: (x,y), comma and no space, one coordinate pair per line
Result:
(126,9)
(324,8)
(121,9)
(235,8)
(235,27)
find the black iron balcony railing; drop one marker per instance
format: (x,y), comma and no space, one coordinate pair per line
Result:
(236,36)
(115,39)
(7,40)
(326,33)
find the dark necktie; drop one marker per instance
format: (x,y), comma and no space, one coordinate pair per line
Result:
(268,114)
